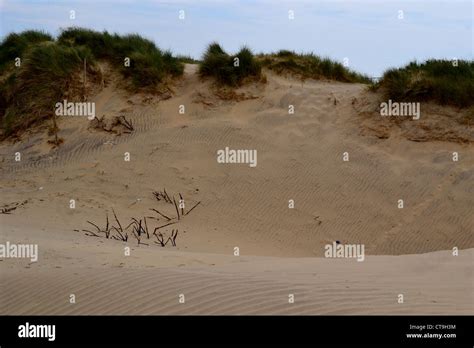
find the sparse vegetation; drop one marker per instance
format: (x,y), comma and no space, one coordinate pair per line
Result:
(187,59)
(14,45)
(437,80)
(141,228)
(231,70)
(309,66)
(51,70)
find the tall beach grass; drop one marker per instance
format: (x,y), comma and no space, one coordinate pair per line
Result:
(226,69)
(310,66)
(51,67)
(442,81)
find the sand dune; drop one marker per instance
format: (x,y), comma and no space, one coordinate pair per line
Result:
(299,158)
(150,281)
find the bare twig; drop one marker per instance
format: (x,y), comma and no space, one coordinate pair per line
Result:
(176,206)
(166,217)
(158,195)
(91,234)
(137,231)
(159,227)
(118,222)
(190,210)
(99,230)
(120,231)
(126,123)
(123,238)
(107,231)
(181,201)
(174,234)
(93,224)
(7,210)
(167,196)
(161,239)
(146,229)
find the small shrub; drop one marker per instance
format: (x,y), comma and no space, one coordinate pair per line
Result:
(218,64)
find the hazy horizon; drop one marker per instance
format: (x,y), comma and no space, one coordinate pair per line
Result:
(368,33)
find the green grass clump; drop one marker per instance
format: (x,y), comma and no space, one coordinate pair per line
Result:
(436,80)
(187,59)
(50,69)
(14,45)
(310,66)
(220,65)
(149,69)
(149,65)
(29,94)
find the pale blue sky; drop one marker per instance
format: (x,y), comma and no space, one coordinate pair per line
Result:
(367,32)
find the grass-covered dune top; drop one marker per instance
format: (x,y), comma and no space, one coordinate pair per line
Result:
(49,72)
(309,66)
(52,69)
(442,81)
(231,70)
(148,64)
(14,45)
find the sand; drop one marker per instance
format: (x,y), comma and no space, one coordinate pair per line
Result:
(300,157)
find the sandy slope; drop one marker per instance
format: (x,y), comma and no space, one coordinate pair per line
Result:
(299,157)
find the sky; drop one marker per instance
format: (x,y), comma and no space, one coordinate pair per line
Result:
(370,35)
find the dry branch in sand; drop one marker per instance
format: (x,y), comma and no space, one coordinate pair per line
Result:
(190,210)
(106,230)
(176,206)
(123,235)
(139,228)
(117,125)
(159,195)
(162,240)
(8,208)
(158,212)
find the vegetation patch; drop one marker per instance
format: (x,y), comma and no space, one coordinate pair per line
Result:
(309,66)
(187,59)
(37,71)
(148,65)
(442,81)
(49,72)
(230,70)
